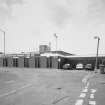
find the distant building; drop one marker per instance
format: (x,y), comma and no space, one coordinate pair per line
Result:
(44,48)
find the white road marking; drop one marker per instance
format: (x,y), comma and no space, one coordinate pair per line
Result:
(25,86)
(92,102)
(88,84)
(7,82)
(82,95)
(8,93)
(93,90)
(84,80)
(14,91)
(79,102)
(92,96)
(86,87)
(85,90)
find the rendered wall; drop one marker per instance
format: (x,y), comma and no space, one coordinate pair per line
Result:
(10,61)
(21,62)
(1,62)
(32,62)
(55,62)
(43,62)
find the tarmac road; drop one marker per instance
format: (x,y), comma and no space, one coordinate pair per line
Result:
(94,92)
(40,86)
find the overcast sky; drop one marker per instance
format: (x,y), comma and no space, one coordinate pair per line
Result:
(29,23)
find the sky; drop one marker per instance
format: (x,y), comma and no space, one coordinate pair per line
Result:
(29,23)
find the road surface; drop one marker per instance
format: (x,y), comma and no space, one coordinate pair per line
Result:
(41,86)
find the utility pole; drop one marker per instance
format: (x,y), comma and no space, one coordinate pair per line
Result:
(56,39)
(96,63)
(4,39)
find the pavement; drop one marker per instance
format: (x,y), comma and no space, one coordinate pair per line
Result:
(39,86)
(51,87)
(94,91)
(98,84)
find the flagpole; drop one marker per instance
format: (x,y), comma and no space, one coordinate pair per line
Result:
(56,41)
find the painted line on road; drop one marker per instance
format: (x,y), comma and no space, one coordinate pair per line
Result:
(8,93)
(85,90)
(88,84)
(92,102)
(58,100)
(86,87)
(93,90)
(25,86)
(12,81)
(91,96)
(84,80)
(79,102)
(82,95)
(14,91)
